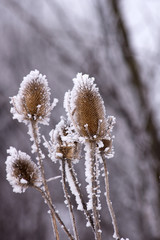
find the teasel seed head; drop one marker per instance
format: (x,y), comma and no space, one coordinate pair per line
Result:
(33,100)
(85,108)
(22,172)
(63,145)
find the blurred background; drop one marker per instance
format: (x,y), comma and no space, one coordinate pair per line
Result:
(117,42)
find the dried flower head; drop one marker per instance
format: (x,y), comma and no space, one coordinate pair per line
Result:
(106,145)
(85,108)
(21,171)
(63,145)
(33,100)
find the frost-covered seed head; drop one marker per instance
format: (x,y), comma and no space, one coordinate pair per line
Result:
(63,146)
(85,108)
(33,100)
(21,171)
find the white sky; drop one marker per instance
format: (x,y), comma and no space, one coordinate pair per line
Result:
(143,19)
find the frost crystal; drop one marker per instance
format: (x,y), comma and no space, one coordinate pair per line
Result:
(32,103)
(73,189)
(21,171)
(88,167)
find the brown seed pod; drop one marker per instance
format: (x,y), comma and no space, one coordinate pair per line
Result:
(21,171)
(33,100)
(25,172)
(86,108)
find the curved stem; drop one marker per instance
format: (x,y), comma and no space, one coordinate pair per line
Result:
(52,208)
(68,200)
(88,216)
(34,126)
(109,203)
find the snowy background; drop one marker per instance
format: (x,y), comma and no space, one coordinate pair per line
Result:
(117,42)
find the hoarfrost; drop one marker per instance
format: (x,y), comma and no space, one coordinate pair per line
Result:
(23,181)
(24,108)
(88,166)
(88,224)
(73,188)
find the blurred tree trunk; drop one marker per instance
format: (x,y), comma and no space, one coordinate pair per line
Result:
(151,151)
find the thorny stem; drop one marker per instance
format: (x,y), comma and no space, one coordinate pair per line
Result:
(51,207)
(109,203)
(94,191)
(89,217)
(39,153)
(68,199)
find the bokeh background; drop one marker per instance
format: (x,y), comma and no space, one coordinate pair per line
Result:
(117,42)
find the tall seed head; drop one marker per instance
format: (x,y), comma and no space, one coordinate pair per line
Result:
(86,108)
(33,100)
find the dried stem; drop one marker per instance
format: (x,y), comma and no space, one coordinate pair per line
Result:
(109,203)
(39,154)
(68,199)
(88,216)
(51,207)
(94,191)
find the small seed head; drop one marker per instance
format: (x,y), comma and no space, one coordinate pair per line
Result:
(21,171)
(62,144)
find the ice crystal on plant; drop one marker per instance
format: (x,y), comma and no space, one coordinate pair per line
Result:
(32,103)
(88,167)
(22,172)
(73,188)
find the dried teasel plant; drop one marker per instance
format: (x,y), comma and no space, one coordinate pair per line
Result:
(22,172)
(65,147)
(86,126)
(86,111)
(85,108)
(32,103)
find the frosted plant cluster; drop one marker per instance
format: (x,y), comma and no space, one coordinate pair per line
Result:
(87,127)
